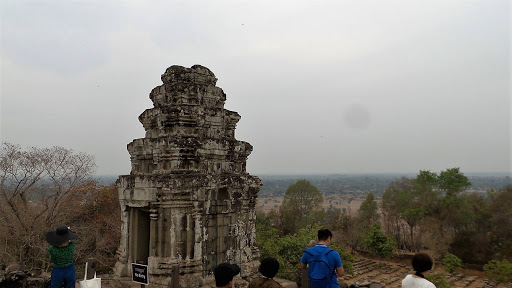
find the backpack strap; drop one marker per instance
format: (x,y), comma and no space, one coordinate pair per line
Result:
(333,269)
(330,250)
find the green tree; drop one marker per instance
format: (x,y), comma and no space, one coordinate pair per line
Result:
(404,199)
(265,237)
(452,181)
(300,201)
(333,216)
(379,243)
(472,240)
(499,271)
(352,234)
(350,226)
(392,208)
(427,179)
(455,211)
(451,263)
(369,211)
(426,186)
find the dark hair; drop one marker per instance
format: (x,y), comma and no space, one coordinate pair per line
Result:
(324,234)
(421,262)
(269,267)
(224,273)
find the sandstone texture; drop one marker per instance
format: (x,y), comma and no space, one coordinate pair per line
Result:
(188,203)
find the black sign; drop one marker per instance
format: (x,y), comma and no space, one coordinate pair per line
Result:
(140,273)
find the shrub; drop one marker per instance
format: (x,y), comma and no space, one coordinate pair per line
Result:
(499,271)
(346,259)
(288,249)
(379,243)
(440,280)
(451,263)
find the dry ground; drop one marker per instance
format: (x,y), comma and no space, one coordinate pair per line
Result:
(348,202)
(390,274)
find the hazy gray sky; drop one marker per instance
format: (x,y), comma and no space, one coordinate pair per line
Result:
(322,86)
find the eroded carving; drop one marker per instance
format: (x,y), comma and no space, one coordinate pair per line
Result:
(188,199)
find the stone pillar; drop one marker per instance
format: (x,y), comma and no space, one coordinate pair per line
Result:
(154,232)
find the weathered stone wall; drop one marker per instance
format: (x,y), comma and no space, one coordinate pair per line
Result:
(188,197)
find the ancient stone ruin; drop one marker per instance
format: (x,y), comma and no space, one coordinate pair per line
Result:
(188,201)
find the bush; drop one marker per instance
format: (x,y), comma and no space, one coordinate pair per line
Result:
(499,271)
(451,263)
(379,243)
(288,249)
(346,259)
(439,280)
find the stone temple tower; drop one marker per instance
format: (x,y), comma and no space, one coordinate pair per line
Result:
(188,200)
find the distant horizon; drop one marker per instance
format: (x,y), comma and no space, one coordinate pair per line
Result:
(501,174)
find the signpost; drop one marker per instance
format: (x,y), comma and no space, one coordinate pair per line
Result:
(140,273)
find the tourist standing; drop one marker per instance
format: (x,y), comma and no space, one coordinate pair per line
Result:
(322,262)
(268,269)
(421,263)
(224,274)
(62,251)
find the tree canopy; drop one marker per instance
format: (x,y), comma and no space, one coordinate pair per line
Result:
(369,211)
(300,201)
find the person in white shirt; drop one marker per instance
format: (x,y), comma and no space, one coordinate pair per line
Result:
(421,262)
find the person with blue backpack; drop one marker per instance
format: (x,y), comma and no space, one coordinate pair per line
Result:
(323,263)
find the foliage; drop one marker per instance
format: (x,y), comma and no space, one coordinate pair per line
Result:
(300,201)
(452,181)
(379,243)
(472,247)
(499,271)
(275,186)
(333,217)
(346,258)
(368,211)
(35,189)
(427,179)
(501,223)
(352,234)
(451,263)
(349,184)
(288,249)
(391,209)
(407,200)
(434,201)
(440,280)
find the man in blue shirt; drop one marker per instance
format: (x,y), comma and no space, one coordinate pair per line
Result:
(324,263)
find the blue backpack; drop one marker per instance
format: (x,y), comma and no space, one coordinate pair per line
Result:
(319,271)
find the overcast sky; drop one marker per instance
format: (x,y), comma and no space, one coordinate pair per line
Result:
(322,86)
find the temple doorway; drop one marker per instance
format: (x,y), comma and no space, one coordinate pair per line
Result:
(139,227)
